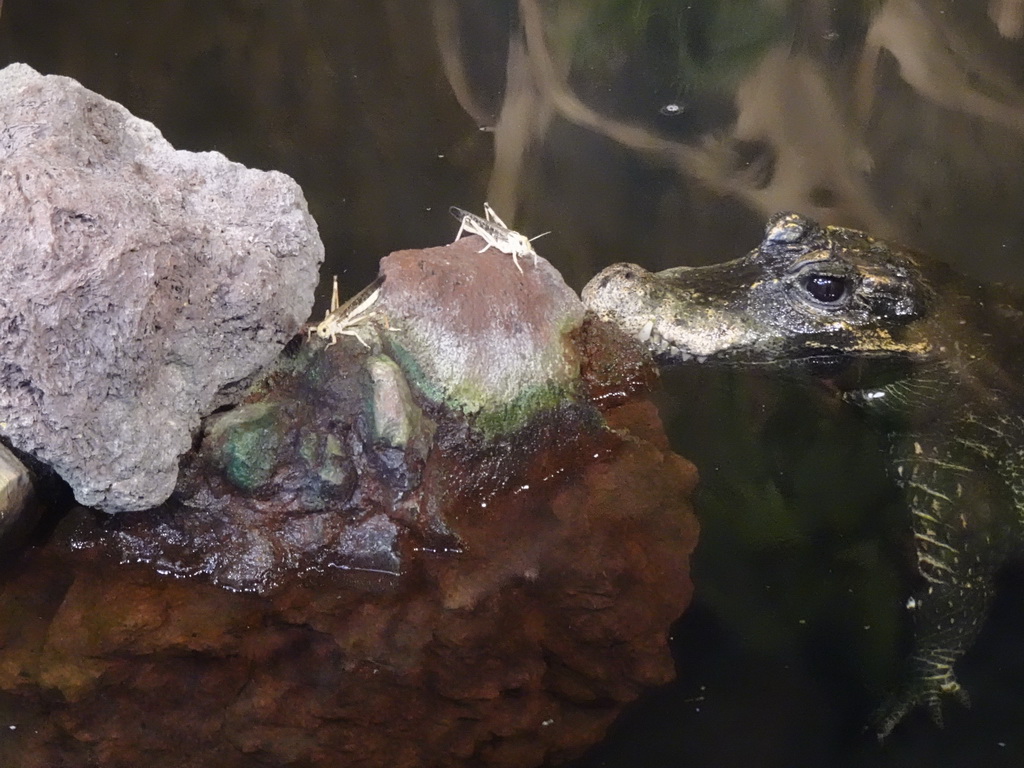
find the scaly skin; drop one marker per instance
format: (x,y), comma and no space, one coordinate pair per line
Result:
(924,349)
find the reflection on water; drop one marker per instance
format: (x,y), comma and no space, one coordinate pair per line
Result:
(901,117)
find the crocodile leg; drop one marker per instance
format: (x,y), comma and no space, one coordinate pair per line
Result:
(954,497)
(947,618)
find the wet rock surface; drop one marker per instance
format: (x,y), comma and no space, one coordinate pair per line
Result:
(355,450)
(409,544)
(514,645)
(143,287)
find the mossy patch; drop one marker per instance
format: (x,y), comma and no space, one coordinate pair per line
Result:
(493,412)
(249,441)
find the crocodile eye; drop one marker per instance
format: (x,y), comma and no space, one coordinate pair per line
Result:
(827,289)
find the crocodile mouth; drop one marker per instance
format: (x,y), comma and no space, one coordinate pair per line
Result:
(735,345)
(665,349)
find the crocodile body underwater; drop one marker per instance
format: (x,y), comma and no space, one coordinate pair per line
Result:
(936,357)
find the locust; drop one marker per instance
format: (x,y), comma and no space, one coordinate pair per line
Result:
(350,318)
(496,234)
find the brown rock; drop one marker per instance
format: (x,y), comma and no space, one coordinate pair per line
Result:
(372,570)
(519,649)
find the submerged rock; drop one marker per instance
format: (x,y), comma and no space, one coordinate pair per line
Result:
(143,287)
(516,651)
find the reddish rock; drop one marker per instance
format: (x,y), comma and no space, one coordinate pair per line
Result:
(517,651)
(370,573)
(476,332)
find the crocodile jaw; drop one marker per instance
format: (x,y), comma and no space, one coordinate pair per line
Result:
(699,330)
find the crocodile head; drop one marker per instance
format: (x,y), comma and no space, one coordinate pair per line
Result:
(807,292)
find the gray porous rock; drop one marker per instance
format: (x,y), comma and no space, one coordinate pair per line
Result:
(140,286)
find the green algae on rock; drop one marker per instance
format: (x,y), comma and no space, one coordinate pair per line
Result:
(248,443)
(396,417)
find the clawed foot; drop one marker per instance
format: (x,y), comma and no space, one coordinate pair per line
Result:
(926,690)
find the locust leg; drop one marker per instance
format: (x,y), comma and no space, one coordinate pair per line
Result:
(490,215)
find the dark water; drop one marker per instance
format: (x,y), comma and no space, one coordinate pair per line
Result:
(662,133)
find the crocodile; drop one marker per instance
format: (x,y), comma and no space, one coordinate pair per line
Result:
(929,353)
